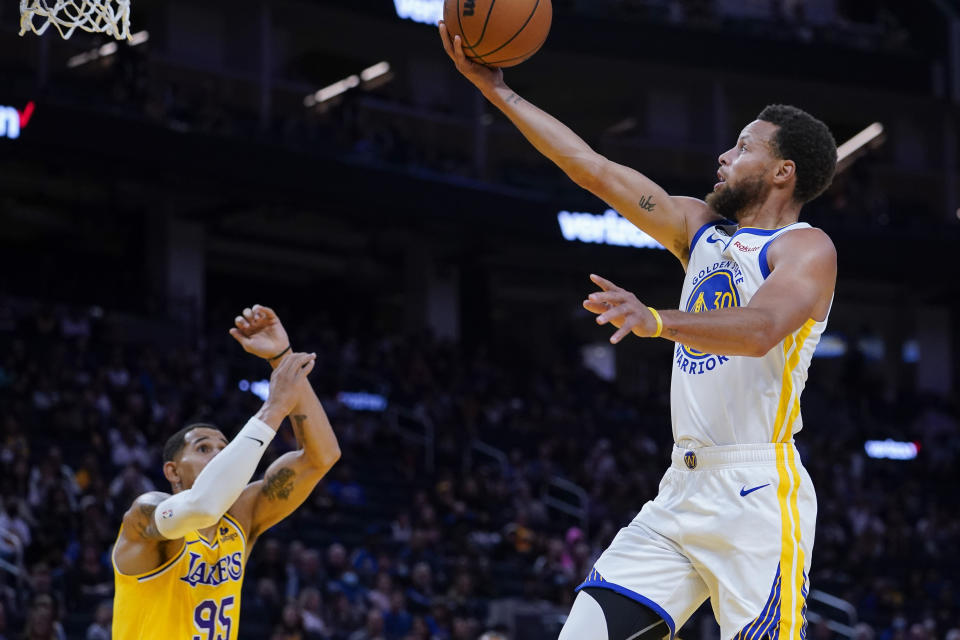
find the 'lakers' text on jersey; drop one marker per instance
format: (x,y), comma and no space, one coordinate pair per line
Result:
(724,400)
(196,594)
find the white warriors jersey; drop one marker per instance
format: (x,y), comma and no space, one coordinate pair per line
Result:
(729,400)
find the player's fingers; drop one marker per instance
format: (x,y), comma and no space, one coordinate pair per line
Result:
(308,366)
(445,39)
(621,333)
(266,312)
(248,314)
(610,297)
(603,283)
(290,366)
(595,307)
(238,335)
(617,312)
(242,324)
(300,363)
(458,49)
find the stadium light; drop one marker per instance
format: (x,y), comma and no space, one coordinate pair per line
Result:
(869,138)
(105,51)
(425,11)
(378,71)
(362,401)
(890,449)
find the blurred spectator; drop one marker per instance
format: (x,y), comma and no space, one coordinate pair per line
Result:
(42,623)
(291,624)
(99,629)
(311,610)
(373,629)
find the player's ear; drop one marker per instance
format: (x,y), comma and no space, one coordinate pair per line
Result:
(786,169)
(171,473)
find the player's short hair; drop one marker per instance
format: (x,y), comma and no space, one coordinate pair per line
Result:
(809,143)
(175,443)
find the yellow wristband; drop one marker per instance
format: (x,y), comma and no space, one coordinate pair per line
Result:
(656,316)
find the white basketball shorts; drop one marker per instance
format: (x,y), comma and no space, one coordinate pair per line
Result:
(732,523)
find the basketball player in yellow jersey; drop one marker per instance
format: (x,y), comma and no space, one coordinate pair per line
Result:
(735,515)
(179,559)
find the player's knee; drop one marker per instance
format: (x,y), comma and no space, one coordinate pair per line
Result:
(603,614)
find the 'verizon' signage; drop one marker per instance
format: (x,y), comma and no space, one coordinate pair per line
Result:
(13,120)
(610,228)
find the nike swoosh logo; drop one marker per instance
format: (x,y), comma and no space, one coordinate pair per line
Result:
(258,440)
(744,491)
(711,238)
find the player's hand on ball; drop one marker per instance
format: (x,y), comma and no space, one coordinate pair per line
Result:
(258,330)
(481,76)
(620,308)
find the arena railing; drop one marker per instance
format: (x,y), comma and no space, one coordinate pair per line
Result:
(491,452)
(840,617)
(417,428)
(578,507)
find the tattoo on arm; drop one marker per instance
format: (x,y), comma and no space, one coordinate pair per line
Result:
(514,99)
(145,526)
(647,203)
(279,485)
(298,421)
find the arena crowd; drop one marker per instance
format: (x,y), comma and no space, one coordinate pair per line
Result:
(391,547)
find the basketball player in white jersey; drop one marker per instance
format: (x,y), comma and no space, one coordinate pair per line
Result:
(734,518)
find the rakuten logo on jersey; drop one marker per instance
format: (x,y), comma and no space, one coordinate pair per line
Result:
(13,120)
(743,247)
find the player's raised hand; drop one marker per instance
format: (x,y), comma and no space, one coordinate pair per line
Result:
(285,381)
(259,331)
(482,77)
(620,308)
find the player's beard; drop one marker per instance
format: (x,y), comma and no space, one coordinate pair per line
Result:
(731,201)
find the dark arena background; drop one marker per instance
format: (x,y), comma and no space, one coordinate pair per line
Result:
(325,158)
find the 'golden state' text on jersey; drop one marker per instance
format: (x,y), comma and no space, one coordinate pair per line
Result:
(729,400)
(195,595)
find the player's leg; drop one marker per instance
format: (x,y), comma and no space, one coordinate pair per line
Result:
(641,588)
(602,614)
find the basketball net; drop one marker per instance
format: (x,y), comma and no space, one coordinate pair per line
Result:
(111,17)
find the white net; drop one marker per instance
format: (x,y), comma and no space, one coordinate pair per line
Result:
(111,17)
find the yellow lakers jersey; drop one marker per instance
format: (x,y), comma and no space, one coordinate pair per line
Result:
(194,595)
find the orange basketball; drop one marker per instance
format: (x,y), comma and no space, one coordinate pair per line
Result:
(499,33)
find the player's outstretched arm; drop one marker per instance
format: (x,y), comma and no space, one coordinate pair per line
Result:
(803,266)
(157,519)
(670,220)
(293,476)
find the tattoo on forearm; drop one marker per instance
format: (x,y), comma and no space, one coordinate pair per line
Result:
(673,333)
(298,422)
(514,99)
(646,202)
(279,485)
(145,527)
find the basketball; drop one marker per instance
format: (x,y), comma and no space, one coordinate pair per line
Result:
(499,34)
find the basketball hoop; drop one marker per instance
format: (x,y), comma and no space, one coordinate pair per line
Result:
(111,17)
